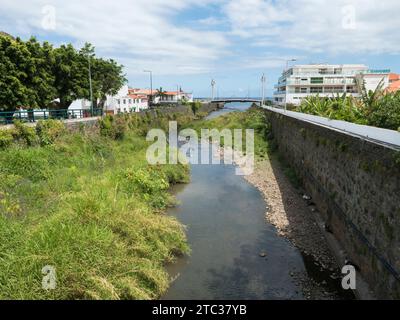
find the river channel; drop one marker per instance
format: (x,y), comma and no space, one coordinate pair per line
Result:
(236,253)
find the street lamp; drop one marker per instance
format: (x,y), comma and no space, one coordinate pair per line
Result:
(286,90)
(90,85)
(178,93)
(213,83)
(151,84)
(263,80)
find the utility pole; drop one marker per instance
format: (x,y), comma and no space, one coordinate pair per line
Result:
(263,80)
(151,84)
(287,69)
(90,85)
(213,83)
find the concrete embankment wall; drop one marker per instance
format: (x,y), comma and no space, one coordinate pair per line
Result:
(355,184)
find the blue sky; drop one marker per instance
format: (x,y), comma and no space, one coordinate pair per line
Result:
(188,42)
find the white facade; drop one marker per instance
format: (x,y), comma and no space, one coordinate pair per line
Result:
(123,102)
(302,81)
(174,97)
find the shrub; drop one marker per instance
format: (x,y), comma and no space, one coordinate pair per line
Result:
(113,127)
(374,108)
(24,134)
(48,131)
(6,138)
(31,163)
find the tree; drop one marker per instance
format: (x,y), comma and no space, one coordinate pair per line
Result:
(40,79)
(70,75)
(160,93)
(33,75)
(14,61)
(108,78)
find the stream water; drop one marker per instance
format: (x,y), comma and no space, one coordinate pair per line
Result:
(229,235)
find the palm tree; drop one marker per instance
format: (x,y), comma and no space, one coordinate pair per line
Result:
(370,99)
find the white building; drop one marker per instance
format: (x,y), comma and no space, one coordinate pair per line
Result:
(302,81)
(175,96)
(126,102)
(166,96)
(122,102)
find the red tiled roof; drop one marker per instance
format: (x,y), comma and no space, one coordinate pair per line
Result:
(394,86)
(394,77)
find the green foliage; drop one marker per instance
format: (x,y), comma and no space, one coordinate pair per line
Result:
(90,206)
(32,75)
(195,106)
(253,118)
(25,134)
(6,138)
(374,108)
(291,175)
(32,163)
(113,127)
(48,131)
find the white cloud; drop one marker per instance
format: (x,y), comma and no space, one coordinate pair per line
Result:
(318,25)
(140,33)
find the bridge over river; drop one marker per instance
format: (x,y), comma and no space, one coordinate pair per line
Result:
(236,100)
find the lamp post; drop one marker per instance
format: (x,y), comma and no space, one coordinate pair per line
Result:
(151,84)
(213,83)
(90,85)
(286,90)
(178,93)
(263,80)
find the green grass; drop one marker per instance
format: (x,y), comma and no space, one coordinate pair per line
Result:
(264,147)
(90,206)
(253,118)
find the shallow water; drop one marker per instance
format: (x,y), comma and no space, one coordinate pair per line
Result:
(228,233)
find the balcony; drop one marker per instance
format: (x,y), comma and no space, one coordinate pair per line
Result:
(326,81)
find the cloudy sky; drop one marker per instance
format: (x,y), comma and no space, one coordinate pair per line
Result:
(189,42)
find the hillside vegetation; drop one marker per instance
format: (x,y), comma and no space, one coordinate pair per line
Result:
(88,204)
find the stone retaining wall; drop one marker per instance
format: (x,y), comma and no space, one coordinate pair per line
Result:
(356,187)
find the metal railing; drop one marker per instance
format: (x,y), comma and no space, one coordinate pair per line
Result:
(8,117)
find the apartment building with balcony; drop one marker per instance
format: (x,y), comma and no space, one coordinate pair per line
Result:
(302,81)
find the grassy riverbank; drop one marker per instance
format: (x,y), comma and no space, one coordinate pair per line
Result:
(253,118)
(87,204)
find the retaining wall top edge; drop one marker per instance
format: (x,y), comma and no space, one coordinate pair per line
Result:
(384,137)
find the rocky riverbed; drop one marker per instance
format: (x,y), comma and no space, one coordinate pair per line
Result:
(293,215)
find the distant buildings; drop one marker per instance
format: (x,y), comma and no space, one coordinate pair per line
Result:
(394,83)
(126,102)
(165,97)
(129,100)
(301,81)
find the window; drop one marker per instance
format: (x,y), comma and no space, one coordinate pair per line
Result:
(119,101)
(303,90)
(316,90)
(317,80)
(130,101)
(124,101)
